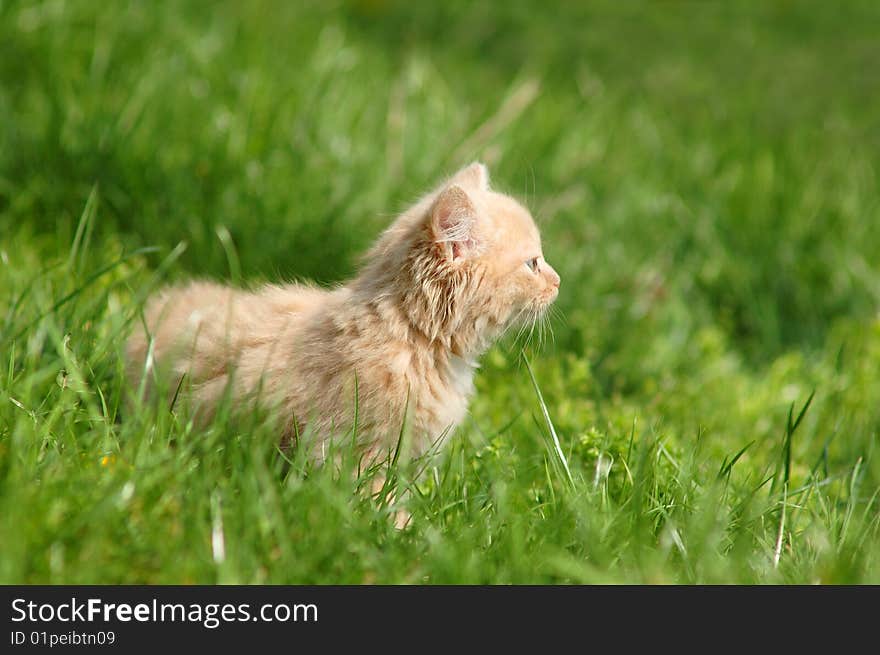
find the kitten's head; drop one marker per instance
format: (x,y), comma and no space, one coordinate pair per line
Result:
(466,262)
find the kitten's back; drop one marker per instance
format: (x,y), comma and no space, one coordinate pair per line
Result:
(201,329)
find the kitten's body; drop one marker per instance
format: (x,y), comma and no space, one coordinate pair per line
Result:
(404,335)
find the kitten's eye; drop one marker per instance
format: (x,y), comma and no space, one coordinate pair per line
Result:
(532,264)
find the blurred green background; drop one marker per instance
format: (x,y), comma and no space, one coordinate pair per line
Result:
(705,176)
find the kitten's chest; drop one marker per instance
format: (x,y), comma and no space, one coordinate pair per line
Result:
(443,395)
(460,378)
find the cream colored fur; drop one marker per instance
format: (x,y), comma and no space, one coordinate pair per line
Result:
(436,289)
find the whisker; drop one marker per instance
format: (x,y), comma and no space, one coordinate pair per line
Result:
(524,334)
(522,327)
(547,326)
(534,322)
(513,322)
(557,314)
(534,327)
(544,330)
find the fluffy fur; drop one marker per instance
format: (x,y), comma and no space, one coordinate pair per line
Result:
(443,281)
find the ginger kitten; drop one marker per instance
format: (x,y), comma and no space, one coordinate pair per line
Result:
(438,287)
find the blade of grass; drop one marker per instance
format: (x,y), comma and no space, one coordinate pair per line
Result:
(556,445)
(80,245)
(94,277)
(727,466)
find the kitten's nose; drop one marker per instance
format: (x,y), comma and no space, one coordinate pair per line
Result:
(553,275)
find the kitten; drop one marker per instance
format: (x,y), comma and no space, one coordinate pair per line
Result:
(438,287)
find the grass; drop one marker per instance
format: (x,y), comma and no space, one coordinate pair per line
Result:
(706,180)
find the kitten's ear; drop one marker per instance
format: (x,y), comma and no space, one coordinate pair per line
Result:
(453,222)
(472,176)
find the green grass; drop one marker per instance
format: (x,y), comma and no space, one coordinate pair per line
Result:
(707,181)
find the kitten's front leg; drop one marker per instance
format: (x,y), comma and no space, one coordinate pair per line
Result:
(389,495)
(391,498)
